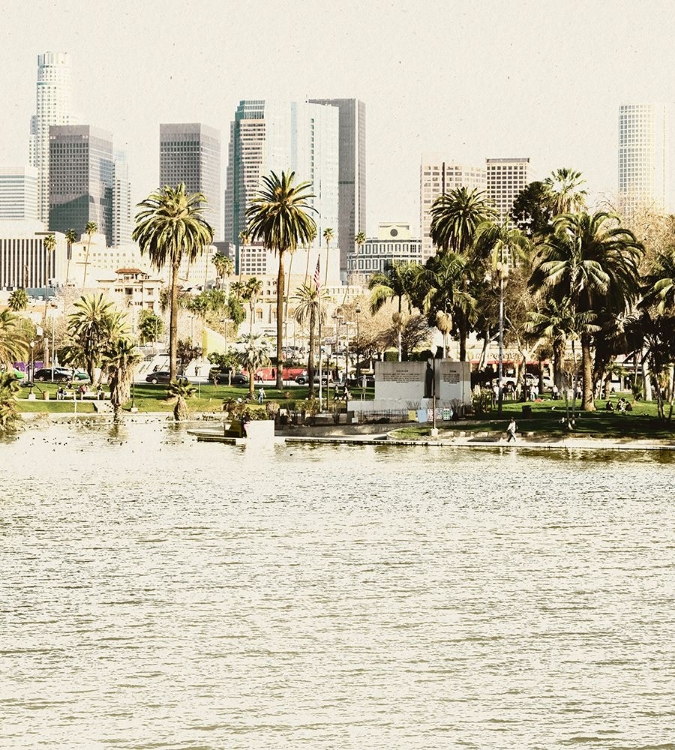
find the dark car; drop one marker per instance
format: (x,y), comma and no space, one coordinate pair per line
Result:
(44,375)
(161,376)
(354,382)
(304,378)
(238,378)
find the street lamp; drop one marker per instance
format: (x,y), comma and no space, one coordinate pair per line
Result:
(358,341)
(32,368)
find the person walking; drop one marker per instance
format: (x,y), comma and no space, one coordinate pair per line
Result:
(261,395)
(511,431)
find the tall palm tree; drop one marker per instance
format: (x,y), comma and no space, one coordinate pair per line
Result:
(396,282)
(18,300)
(279,217)
(661,282)
(565,192)
(592,260)
(13,346)
(90,230)
(359,242)
(554,320)
(256,354)
(309,311)
(252,291)
(455,218)
(224,267)
(120,358)
(328,235)
(244,238)
(71,237)
(91,327)
(170,227)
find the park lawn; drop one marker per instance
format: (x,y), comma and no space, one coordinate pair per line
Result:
(547,421)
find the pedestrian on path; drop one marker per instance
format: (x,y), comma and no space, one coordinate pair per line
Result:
(261,395)
(511,431)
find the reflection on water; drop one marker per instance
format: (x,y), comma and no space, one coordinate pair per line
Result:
(158,593)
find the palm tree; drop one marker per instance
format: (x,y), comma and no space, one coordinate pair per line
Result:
(278,216)
(13,346)
(565,194)
(18,300)
(256,354)
(252,291)
(181,390)
(328,235)
(224,267)
(120,358)
(9,414)
(91,328)
(661,282)
(90,230)
(592,260)
(397,282)
(455,218)
(244,238)
(71,237)
(169,228)
(309,311)
(359,241)
(555,321)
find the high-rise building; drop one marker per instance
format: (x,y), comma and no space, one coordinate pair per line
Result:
(122,222)
(80,179)
(190,153)
(643,156)
(505,179)
(25,261)
(438,176)
(352,176)
(271,136)
(53,106)
(18,193)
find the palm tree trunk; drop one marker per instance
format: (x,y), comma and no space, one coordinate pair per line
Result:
(310,358)
(463,335)
(588,403)
(280,321)
(558,358)
(173,323)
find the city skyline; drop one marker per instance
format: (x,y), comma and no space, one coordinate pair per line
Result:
(476,83)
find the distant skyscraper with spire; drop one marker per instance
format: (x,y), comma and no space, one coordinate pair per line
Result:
(643,167)
(53,107)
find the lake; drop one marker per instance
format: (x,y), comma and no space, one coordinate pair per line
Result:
(157,592)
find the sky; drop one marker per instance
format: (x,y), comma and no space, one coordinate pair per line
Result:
(468,80)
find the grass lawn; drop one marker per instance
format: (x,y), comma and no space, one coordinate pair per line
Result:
(641,423)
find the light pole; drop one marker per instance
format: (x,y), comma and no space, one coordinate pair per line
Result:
(358,341)
(31,395)
(503,271)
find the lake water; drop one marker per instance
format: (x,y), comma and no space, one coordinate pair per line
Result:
(156,592)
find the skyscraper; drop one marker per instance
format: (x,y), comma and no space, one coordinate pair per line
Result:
(80,179)
(505,179)
(18,193)
(122,222)
(643,156)
(438,176)
(268,136)
(52,108)
(190,153)
(352,176)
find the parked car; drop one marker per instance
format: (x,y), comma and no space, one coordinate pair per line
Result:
(161,376)
(44,375)
(357,382)
(80,376)
(238,378)
(304,378)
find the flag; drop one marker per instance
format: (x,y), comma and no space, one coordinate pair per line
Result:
(317,274)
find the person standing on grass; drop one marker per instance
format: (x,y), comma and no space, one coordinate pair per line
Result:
(511,431)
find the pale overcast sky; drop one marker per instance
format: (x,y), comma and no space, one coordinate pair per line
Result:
(467,79)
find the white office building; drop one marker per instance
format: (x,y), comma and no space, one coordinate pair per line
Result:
(18,193)
(53,107)
(643,162)
(393,244)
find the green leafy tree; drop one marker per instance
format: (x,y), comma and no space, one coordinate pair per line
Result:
(150,326)
(14,346)
(593,261)
(9,413)
(90,230)
(18,300)
(256,354)
(278,216)
(532,212)
(182,390)
(120,359)
(170,227)
(309,311)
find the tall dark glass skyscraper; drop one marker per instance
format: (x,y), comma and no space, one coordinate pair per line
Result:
(190,153)
(80,179)
(352,174)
